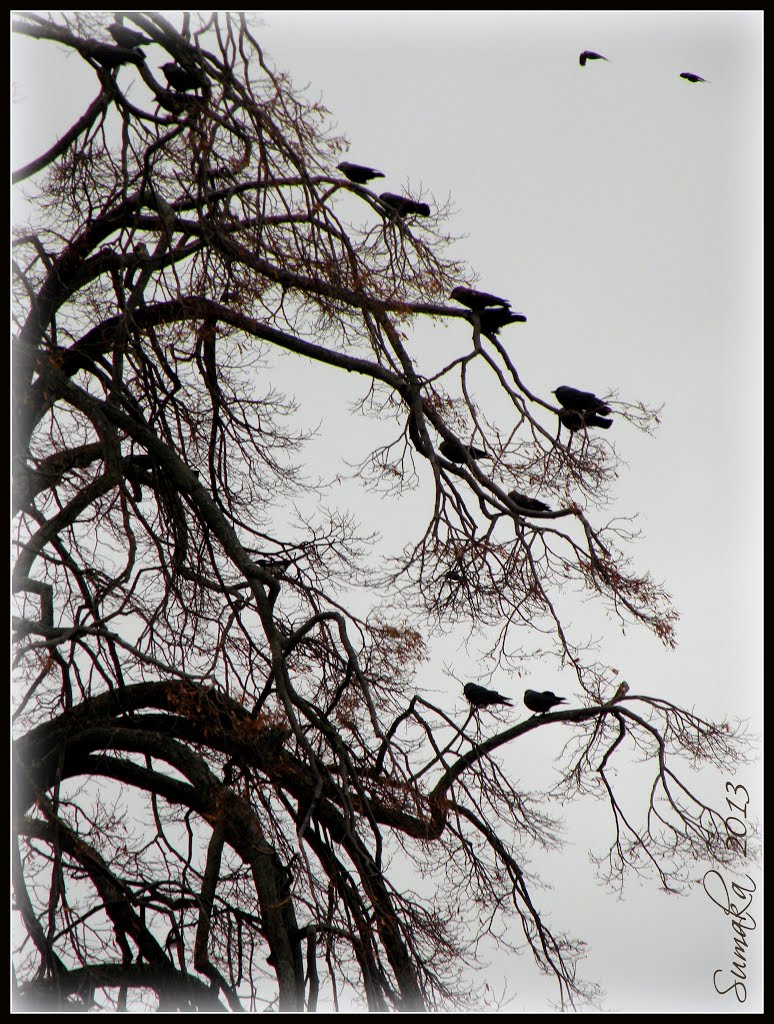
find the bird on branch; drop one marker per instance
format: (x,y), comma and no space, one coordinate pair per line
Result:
(401,206)
(111,57)
(181,78)
(476,300)
(527,504)
(540,703)
(358,173)
(480,697)
(575,420)
(456,451)
(127,36)
(581,401)
(491,320)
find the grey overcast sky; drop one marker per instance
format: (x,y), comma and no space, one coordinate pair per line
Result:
(620,208)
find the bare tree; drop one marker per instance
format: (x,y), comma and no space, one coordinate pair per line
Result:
(220,765)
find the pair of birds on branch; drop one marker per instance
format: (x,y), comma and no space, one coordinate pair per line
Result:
(492,311)
(111,57)
(128,47)
(491,319)
(179,78)
(455,451)
(535,700)
(398,206)
(127,51)
(590,55)
(580,410)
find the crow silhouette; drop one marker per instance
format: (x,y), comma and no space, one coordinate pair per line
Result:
(401,206)
(174,102)
(492,320)
(476,300)
(574,420)
(127,36)
(581,401)
(542,702)
(358,172)
(690,77)
(111,56)
(528,504)
(181,78)
(480,697)
(456,451)
(590,55)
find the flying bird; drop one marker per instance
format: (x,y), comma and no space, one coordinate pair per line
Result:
(358,172)
(127,36)
(590,55)
(492,320)
(528,504)
(480,697)
(574,420)
(690,77)
(401,206)
(581,401)
(476,300)
(181,78)
(456,451)
(542,702)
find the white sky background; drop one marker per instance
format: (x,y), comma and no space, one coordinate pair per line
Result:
(620,208)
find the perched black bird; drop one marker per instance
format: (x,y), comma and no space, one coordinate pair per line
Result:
(480,697)
(476,300)
(581,401)
(174,102)
(456,451)
(127,36)
(180,78)
(590,55)
(358,172)
(402,206)
(690,77)
(542,702)
(111,56)
(492,320)
(528,504)
(574,420)
(275,566)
